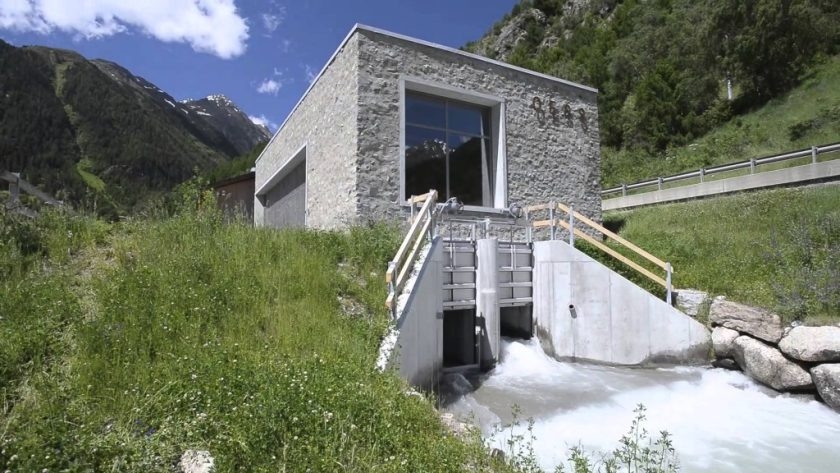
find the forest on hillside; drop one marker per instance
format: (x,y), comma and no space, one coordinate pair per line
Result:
(662,66)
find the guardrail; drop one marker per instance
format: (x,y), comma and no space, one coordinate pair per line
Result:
(422,227)
(750,164)
(16,185)
(552,222)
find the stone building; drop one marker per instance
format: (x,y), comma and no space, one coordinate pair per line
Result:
(391,116)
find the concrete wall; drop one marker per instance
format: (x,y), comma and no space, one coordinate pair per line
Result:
(548,157)
(829,170)
(418,353)
(285,204)
(617,322)
(487,299)
(325,123)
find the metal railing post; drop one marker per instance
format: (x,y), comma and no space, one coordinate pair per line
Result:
(14,189)
(411,204)
(571,226)
(659,183)
(813,155)
(551,218)
(752,166)
(392,287)
(702,174)
(668,283)
(432,224)
(624,190)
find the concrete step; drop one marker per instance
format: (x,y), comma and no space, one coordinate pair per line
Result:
(516,269)
(518,251)
(450,287)
(517,301)
(459,249)
(458,269)
(460,304)
(516,284)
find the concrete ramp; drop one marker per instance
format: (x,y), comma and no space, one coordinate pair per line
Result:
(583,311)
(413,346)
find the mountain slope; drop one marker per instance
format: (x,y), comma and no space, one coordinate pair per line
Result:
(64,119)
(662,66)
(808,115)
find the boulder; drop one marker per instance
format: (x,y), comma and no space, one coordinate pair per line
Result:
(815,344)
(690,300)
(757,322)
(196,461)
(722,340)
(827,379)
(767,365)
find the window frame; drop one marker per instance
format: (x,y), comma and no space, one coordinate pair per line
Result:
(413,85)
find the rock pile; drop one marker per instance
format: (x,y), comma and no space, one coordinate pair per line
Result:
(797,359)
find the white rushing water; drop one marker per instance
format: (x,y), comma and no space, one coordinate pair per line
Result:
(720,420)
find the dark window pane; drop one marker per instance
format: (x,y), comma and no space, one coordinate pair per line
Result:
(425,161)
(465,173)
(427,111)
(465,119)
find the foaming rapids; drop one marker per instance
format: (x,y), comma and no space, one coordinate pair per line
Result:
(720,420)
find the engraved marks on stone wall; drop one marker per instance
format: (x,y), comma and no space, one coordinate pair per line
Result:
(546,112)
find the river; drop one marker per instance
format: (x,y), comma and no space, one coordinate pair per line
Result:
(720,420)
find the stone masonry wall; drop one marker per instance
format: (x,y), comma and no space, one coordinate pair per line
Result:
(326,122)
(548,157)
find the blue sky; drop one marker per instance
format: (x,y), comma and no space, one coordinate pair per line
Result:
(260,53)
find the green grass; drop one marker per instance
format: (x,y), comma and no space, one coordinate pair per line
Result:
(91,180)
(778,249)
(806,116)
(126,344)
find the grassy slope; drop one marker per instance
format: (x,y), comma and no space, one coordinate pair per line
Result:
(778,249)
(808,115)
(125,345)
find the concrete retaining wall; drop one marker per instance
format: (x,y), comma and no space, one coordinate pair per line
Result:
(616,321)
(828,170)
(417,353)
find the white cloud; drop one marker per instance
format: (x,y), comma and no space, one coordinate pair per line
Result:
(273,18)
(264,121)
(271,21)
(210,26)
(285,45)
(310,74)
(269,86)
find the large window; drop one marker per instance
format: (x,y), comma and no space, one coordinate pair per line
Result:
(447,148)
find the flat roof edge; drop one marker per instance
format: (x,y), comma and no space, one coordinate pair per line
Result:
(473,56)
(359,26)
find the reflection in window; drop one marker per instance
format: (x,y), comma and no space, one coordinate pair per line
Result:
(447,148)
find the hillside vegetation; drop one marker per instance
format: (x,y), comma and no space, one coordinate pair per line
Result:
(91,133)
(778,249)
(126,344)
(661,66)
(806,116)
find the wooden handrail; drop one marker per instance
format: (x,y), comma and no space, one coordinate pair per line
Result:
(401,265)
(553,222)
(615,254)
(609,234)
